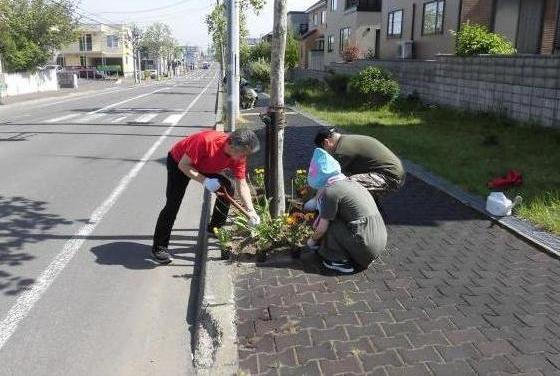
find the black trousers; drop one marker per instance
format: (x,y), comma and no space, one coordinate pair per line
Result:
(177,183)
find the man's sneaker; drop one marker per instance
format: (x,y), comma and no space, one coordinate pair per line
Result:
(161,255)
(339,266)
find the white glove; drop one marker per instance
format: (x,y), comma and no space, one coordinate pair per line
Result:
(212,184)
(254,219)
(310,205)
(312,244)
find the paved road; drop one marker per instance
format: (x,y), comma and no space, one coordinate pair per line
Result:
(82,182)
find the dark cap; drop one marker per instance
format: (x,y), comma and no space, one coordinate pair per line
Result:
(322,135)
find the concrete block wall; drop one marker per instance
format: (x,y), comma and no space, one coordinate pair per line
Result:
(525,88)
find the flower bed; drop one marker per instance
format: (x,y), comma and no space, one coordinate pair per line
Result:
(287,234)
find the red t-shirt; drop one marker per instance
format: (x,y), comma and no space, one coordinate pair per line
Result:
(206,150)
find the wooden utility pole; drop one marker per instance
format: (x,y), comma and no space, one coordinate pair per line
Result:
(277,113)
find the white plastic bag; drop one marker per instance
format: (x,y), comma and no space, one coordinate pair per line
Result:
(499,205)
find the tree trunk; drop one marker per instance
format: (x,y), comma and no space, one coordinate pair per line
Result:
(278,203)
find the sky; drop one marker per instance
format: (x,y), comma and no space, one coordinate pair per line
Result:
(186,17)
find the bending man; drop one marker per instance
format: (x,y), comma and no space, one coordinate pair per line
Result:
(365,160)
(203,157)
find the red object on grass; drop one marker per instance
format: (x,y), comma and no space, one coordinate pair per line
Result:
(512,178)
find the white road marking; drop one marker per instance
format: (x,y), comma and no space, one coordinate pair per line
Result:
(61,118)
(125,101)
(27,299)
(145,118)
(172,119)
(119,119)
(87,118)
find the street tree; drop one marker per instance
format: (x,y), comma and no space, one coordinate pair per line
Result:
(31,31)
(279,31)
(159,42)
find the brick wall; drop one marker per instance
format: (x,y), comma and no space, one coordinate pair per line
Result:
(549,26)
(525,88)
(477,11)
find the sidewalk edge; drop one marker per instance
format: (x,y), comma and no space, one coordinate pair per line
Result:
(523,229)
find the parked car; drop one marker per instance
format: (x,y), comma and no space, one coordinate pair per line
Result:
(92,74)
(153,73)
(57,68)
(205,65)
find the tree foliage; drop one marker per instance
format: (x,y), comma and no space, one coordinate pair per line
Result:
(31,31)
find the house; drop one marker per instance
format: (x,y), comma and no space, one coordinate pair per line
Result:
(298,23)
(312,43)
(352,23)
(424,28)
(104,47)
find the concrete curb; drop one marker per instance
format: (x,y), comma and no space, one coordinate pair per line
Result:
(215,337)
(523,229)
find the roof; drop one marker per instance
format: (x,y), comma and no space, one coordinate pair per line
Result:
(308,34)
(318,4)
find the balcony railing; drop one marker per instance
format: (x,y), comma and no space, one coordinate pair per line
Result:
(364,5)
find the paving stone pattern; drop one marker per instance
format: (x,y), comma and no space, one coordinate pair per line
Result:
(453,295)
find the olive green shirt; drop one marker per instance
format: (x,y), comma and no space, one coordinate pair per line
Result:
(348,201)
(359,154)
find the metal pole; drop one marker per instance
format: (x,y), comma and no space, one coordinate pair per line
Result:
(233,64)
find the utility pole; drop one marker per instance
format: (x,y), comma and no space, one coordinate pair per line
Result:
(277,113)
(233,64)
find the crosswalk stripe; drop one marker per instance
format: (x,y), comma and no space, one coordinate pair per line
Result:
(172,119)
(88,118)
(145,118)
(61,118)
(119,119)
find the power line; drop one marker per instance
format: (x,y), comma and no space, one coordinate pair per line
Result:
(148,10)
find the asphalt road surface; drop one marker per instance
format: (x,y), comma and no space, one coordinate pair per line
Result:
(82,183)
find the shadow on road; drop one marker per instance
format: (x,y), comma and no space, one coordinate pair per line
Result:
(135,256)
(21,220)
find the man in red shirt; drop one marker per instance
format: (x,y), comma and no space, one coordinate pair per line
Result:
(203,157)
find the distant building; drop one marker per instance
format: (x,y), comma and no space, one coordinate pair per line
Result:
(192,54)
(298,22)
(104,47)
(253,41)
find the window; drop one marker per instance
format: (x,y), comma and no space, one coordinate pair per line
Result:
(432,20)
(323,17)
(333,5)
(320,44)
(85,42)
(315,19)
(344,38)
(394,24)
(330,43)
(112,41)
(83,61)
(60,60)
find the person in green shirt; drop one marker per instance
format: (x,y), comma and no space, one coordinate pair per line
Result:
(350,231)
(364,159)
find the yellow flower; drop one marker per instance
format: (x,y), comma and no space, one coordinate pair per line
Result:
(216,231)
(291,220)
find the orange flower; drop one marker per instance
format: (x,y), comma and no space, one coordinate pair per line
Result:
(309,217)
(299,216)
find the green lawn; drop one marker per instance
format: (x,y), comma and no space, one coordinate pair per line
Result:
(466,148)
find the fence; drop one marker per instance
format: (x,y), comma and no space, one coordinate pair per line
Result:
(525,88)
(28,83)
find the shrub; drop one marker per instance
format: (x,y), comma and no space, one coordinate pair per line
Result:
(305,89)
(337,83)
(375,85)
(351,53)
(476,39)
(260,71)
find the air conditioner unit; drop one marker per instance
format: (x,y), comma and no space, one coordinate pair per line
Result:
(405,49)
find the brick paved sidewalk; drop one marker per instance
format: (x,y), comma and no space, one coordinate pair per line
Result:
(455,295)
